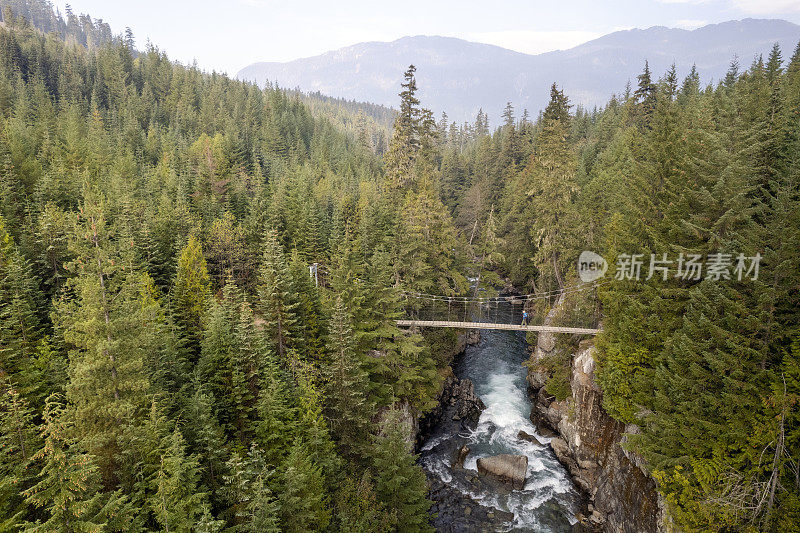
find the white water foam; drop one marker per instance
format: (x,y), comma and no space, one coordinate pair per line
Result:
(499,379)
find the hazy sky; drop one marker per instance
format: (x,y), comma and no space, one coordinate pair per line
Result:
(228,35)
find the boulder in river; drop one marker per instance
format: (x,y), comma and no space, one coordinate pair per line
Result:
(522,435)
(461,455)
(505,468)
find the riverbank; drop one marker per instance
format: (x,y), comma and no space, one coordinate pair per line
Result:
(589,443)
(464,499)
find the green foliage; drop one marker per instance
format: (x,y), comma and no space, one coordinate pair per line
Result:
(191,291)
(346,385)
(304,506)
(358,509)
(400,483)
(68,490)
(156,228)
(18,444)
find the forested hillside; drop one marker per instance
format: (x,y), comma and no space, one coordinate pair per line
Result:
(167,362)
(707,363)
(370,124)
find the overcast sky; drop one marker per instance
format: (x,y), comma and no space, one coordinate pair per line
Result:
(228,35)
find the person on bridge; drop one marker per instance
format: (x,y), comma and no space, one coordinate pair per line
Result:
(525,318)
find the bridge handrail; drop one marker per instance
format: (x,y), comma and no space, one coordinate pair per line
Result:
(489,325)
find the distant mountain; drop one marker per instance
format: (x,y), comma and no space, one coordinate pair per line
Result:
(460,77)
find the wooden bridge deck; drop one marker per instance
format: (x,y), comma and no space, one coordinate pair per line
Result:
(486,325)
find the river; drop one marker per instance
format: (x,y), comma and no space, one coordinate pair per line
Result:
(549,500)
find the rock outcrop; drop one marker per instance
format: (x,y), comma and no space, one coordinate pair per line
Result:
(455,513)
(624,498)
(461,456)
(458,408)
(506,469)
(528,437)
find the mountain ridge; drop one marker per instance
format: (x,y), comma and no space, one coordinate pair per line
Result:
(459,76)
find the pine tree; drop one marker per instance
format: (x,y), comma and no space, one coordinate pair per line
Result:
(176,500)
(110,336)
(255,509)
(248,351)
(18,443)
(399,482)
(277,423)
(20,326)
(405,142)
(191,292)
(545,194)
(276,304)
(346,385)
(206,437)
(358,509)
(69,490)
(645,94)
(303,500)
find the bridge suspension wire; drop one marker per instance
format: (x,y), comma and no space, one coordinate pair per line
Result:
(514,300)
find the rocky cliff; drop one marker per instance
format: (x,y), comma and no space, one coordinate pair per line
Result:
(623,497)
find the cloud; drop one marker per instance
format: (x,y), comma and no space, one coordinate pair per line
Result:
(767,7)
(534,42)
(690,24)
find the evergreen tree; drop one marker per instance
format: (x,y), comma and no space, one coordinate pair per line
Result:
(110,336)
(276,304)
(358,508)
(176,500)
(405,142)
(303,501)
(19,322)
(645,94)
(544,194)
(399,482)
(346,384)
(69,490)
(191,292)
(18,443)
(255,509)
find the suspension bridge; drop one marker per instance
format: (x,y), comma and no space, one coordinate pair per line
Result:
(490,325)
(483,312)
(502,312)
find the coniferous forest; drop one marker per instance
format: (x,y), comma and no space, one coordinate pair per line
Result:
(167,362)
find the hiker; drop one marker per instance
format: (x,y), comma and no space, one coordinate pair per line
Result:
(524,317)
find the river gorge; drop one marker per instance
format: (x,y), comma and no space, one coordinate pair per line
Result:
(548,499)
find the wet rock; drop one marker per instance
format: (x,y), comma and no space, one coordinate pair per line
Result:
(458,409)
(543,398)
(597,518)
(507,469)
(473,337)
(456,512)
(528,437)
(458,462)
(589,445)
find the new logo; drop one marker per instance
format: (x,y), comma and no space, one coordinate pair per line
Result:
(591,266)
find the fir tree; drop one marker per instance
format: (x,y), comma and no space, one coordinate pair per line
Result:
(346,386)
(69,490)
(399,482)
(275,302)
(191,292)
(303,501)
(176,500)
(18,443)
